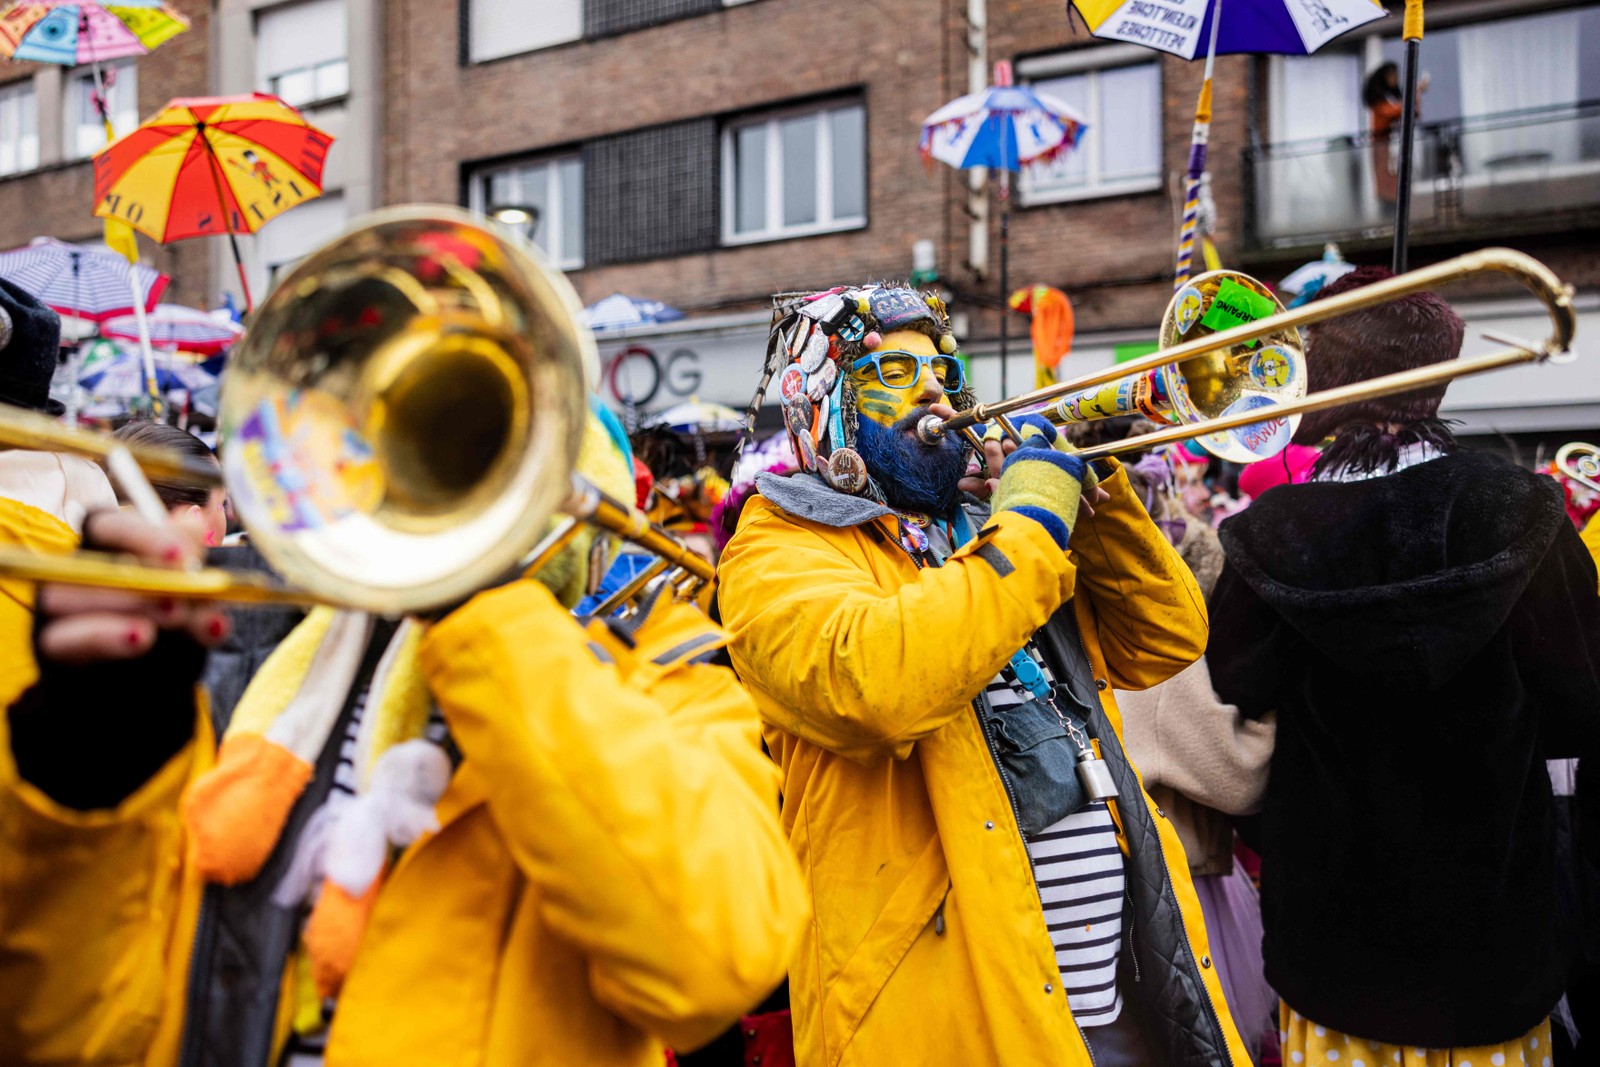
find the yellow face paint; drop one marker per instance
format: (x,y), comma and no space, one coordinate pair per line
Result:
(886,406)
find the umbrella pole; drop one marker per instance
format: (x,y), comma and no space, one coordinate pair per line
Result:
(227,220)
(1198,141)
(1005,272)
(238,262)
(146,353)
(1408,129)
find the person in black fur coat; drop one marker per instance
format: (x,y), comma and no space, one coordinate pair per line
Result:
(1425,621)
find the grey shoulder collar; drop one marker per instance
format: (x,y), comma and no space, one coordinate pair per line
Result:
(805,496)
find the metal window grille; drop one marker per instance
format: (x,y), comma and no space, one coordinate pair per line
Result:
(604,17)
(651,193)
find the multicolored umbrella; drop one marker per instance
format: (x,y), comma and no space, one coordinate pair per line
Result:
(211,165)
(620,312)
(72,33)
(123,377)
(1005,127)
(1278,27)
(182,328)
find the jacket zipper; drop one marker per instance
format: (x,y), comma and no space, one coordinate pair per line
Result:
(1016,820)
(1211,1009)
(1133,953)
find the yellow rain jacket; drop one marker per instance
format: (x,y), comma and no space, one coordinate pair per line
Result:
(95,911)
(929,944)
(608,873)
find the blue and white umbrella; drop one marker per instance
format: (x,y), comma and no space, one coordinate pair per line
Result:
(124,377)
(1005,127)
(619,312)
(81,281)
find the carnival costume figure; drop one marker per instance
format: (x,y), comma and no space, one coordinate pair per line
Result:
(932,677)
(520,840)
(1425,622)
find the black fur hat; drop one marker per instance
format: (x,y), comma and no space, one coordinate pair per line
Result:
(1415,331)
(30,345)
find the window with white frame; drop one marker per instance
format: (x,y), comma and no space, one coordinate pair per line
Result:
(794,173)
(303,52)
(542,198)
(19,127)
(1117,90)
(296,234)
(498,28)
(85,126)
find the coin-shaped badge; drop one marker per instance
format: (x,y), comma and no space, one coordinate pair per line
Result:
(798,412)
(792,382)
(846,471)
(820,382)
(5,328)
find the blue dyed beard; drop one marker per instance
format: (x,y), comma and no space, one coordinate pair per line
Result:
(912,475)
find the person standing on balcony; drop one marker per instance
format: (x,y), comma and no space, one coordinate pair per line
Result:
(1384,100)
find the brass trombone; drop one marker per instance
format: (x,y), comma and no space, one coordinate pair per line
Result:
(401,424)
(1253,422)
(1580,461)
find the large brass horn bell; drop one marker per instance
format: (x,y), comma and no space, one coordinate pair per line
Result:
(403,416)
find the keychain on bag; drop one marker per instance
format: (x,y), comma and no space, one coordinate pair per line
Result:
(1092,770)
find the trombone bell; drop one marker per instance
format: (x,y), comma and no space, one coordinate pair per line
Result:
(402,418)
(1222,381)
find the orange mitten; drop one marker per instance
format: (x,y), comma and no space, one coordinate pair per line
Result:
(333,933)
(236,811)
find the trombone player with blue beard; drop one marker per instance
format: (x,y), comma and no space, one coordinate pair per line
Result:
(935,678)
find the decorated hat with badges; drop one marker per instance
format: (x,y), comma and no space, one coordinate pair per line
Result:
(814,338)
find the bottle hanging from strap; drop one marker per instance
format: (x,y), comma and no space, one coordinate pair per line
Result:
(1092,770)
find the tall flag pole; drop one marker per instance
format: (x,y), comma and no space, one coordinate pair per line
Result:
(1408,128)
(1197,160)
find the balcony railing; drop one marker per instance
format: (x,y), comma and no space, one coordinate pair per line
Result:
(1481,173)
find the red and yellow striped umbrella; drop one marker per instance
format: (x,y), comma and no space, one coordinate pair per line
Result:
(211,165)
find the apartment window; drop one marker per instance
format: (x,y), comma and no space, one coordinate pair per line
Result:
(653,192)
(794,173)
(296,234)
(85,128)
(19,127)
(1117,90)
(605,17)
(303,53)
(543,198)
(498,28)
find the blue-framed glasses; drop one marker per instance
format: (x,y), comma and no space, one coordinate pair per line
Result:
(898,369)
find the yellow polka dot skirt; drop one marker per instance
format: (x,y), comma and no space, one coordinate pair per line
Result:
(1305,1044)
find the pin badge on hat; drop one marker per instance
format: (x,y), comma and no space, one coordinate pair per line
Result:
(846,472)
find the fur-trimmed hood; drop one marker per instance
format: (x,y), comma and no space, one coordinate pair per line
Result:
(1402,577)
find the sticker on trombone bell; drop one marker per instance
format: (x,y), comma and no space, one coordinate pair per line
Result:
(1271,368)
(307,467)
(1189,304)
(1234,304)
(1260,439)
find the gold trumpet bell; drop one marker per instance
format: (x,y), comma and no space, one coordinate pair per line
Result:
(1255,374)
(402,417)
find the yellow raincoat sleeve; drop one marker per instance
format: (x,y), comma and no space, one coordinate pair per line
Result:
(645,817)
(1150,614)
(864,671)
